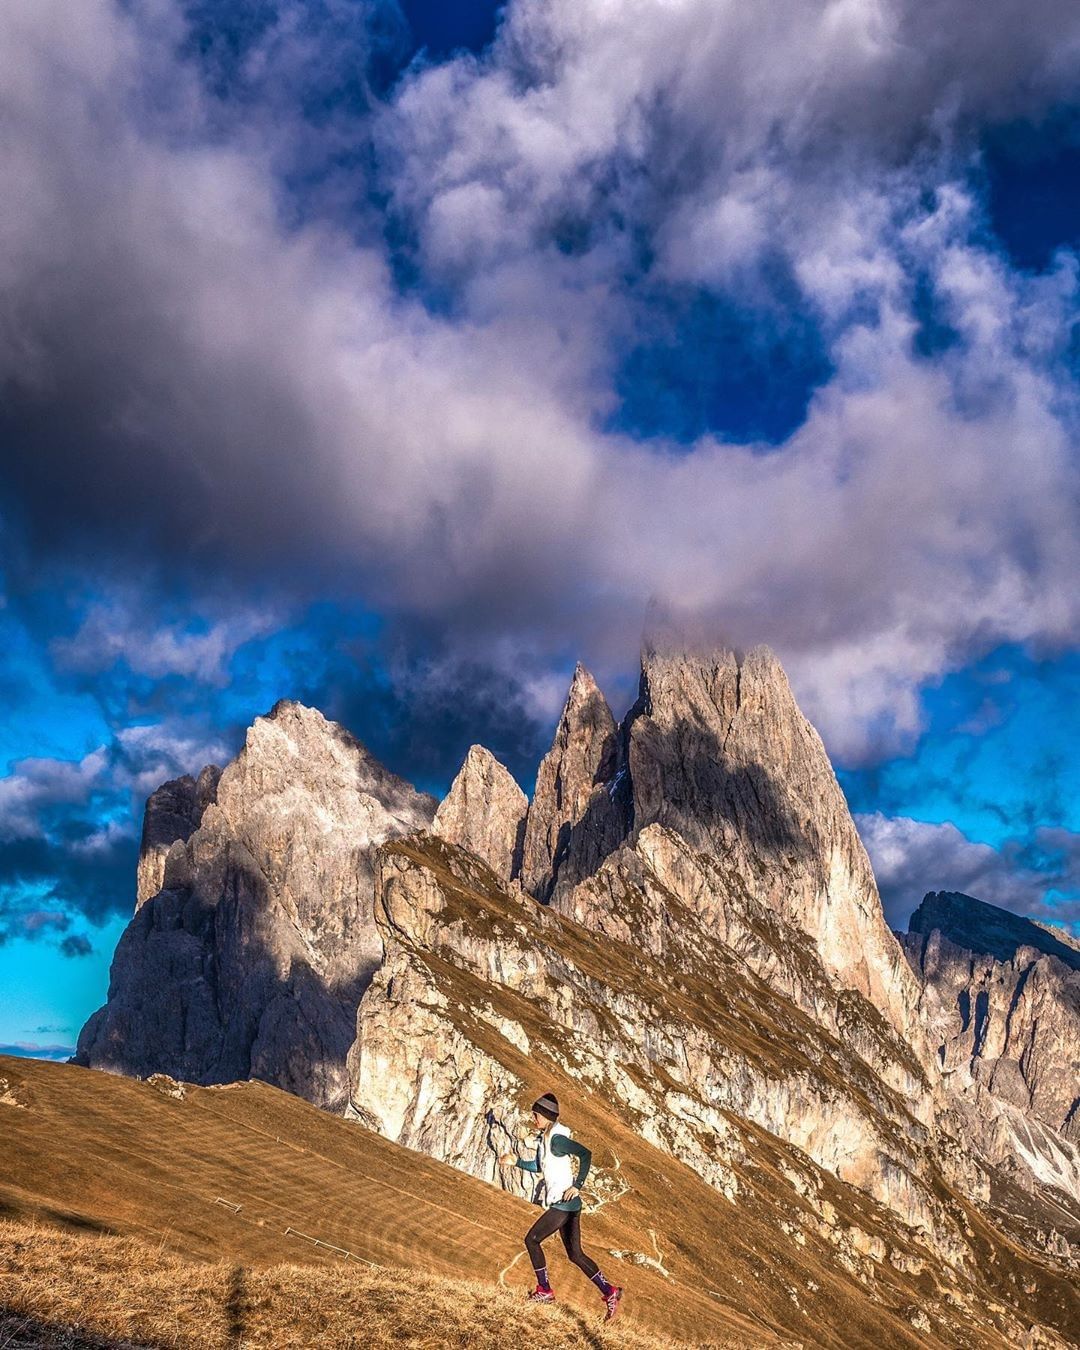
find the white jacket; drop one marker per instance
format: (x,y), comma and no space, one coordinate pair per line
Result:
(558,1173)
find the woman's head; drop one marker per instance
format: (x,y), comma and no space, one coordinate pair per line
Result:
(545,1110)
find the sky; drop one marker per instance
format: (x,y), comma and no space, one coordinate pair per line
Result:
(395,356)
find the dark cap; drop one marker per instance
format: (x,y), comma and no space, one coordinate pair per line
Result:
(547,1105)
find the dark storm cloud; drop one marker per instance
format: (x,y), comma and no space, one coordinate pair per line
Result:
(75,945)
(423,719)
(211,369)
(44,883)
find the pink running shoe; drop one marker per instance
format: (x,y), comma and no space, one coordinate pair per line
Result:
(613,1300)
(539,1295)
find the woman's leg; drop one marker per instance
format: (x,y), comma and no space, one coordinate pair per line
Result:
(546,1224)
(571,1236)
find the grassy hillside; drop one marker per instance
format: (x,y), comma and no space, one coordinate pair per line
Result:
(68,1290)
(98,1155)
(160,1211)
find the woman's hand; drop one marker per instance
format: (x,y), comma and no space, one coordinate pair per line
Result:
(571,1193)
(506,1159)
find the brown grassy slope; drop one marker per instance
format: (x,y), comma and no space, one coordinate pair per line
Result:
(72,1290)
(101,1154)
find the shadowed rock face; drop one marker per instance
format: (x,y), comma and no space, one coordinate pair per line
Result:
(484,812)
(988,929)
(1001,996)
(578,813)
(720,754)
(251,959)
(173,811)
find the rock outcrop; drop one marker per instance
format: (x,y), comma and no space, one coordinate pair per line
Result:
(251,959)
(719,753)
(173,811)
(619,994)
(1001,997)
(484,812)
(579,811)
(638,997)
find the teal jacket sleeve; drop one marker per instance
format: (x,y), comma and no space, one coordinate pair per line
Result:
(561,1147)
(528,1164)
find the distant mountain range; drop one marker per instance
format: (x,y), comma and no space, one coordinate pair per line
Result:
(681,935)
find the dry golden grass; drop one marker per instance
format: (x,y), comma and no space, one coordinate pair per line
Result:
(91,1154)
(71,1290)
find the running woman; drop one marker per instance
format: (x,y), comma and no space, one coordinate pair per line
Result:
(554,1161)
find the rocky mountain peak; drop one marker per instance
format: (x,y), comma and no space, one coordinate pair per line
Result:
(583,692)
(251,957)
(484,812)
(719,752)
(980,927)
(1001,997)
(173,812)
(296,754)
(577,815)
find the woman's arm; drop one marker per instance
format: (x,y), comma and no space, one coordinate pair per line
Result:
(526,1164)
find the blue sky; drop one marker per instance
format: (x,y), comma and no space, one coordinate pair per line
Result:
(394,357)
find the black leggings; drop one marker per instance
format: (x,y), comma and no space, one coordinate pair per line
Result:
(567,1222)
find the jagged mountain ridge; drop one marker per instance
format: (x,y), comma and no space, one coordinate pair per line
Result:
(708,834)
(1001,996)
(250,960)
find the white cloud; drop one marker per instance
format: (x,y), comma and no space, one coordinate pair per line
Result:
(139,760)
(912,857)
(120,629)
(37,784)
(151,754)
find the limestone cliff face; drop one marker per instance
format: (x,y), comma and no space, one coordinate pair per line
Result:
(1001,997)
(173,811)
(484,812)
(578,814)
(719,753)
(622,993)
(251,959)
(625,989)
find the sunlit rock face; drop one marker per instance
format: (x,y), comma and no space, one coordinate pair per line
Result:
(1001,998)
(251,958)
(720,754)
(173,811)
(484,812)
(635,997)
(579,810)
